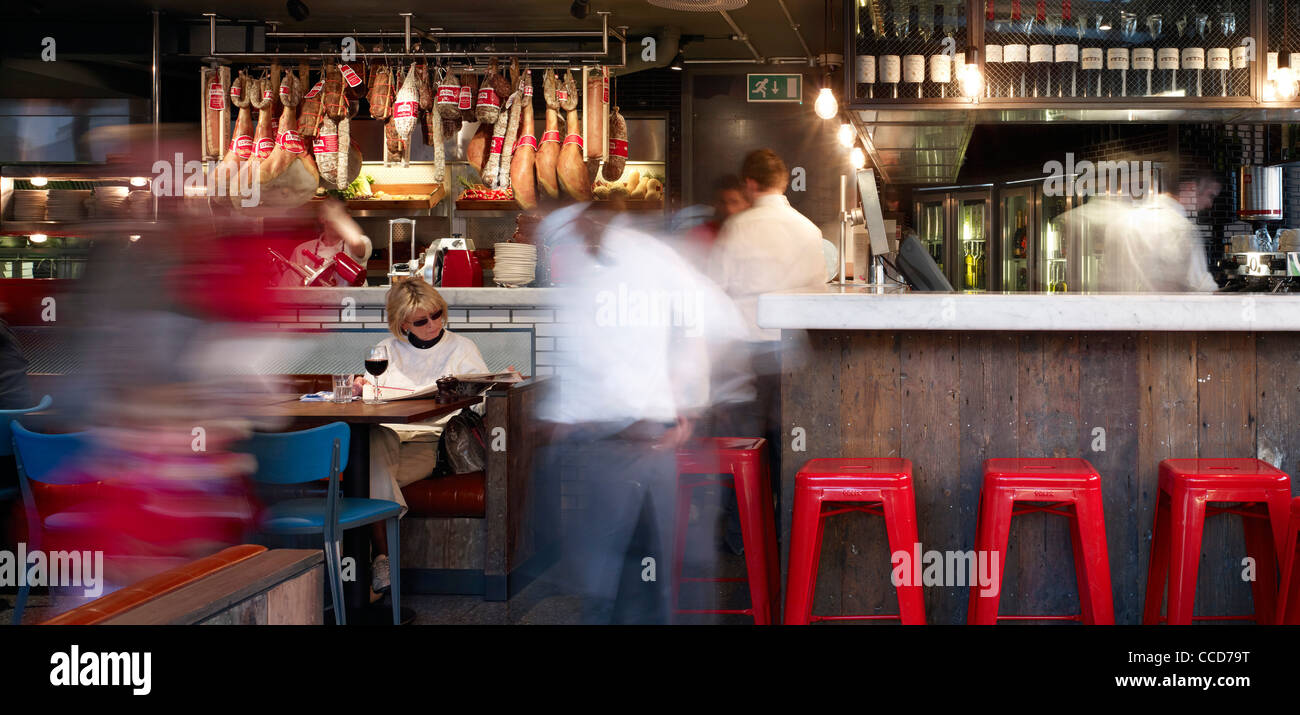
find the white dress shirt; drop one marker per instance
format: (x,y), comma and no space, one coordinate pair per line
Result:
(768,247)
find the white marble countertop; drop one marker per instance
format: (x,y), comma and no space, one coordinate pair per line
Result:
(865,308)
(487,296)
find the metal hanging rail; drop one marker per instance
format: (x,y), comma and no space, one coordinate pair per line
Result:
(541,56)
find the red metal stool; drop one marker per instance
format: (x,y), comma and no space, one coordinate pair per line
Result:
(876,486)
(1186,485)
(1288,594)
(746,461)
(1066,483)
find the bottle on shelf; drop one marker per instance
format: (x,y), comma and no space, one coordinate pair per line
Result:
(866,76)
(1015,55)
(1041,52)
(992,50)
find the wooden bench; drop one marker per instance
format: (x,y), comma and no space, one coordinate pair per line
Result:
(240,585)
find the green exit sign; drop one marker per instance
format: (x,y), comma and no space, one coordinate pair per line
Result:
(775,87)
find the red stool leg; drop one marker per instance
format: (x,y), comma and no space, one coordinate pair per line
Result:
(769,536)
(992,533)
(805,552)
(900,525)
(1288,606)
(1091,560)
(1260,548)
(684,491)
(1188,512)
(750,501)
(1158,563)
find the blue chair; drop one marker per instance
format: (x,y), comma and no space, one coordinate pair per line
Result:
(309,456)
(6,440)
(38,458)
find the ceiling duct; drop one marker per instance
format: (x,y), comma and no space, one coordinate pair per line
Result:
(699,5)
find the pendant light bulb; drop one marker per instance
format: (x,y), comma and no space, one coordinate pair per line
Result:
(846,135)
(857,158)
(826,106)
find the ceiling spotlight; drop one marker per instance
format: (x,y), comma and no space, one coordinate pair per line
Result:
(298,9)
(845,135)
(679,61)
(134,237)
(39,181)
(38,238)
(139,181)
(579,9)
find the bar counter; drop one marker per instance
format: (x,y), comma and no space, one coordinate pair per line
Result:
(949,380)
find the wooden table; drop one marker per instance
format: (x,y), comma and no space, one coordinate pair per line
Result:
(356,474)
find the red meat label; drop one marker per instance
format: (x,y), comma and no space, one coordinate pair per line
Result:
(449,94)
(487,95)
(405,109)
(291,141)
(618,147)
(328,144)
(350,76)
(466,98)
(216,98)
(243,146)
(561,95)
(551,137)
(236,91)
(526,140)
(528,91)
(315,90)
(498,144)
(573,139)
(266,94)
(605,89)
(264,147)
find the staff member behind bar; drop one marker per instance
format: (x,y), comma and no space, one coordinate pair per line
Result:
(339,233)
(420,351)
(1149,244)
(768,247)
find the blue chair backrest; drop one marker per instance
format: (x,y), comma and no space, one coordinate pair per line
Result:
(7,416)
(298,457)
(39,455)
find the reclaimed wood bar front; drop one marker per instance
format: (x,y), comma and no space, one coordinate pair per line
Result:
(947,399)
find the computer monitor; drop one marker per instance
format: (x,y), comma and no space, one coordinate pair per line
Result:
(919,268)
(871,214)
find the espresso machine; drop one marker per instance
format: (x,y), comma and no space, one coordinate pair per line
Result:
(1265,261)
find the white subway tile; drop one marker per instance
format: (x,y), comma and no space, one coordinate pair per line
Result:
(489,316)
(532,316)
(457,316)
(331,316)
(544,344)
(551,359)
(545,370)
(551,329)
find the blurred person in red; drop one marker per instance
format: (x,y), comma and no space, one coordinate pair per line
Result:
(160,328)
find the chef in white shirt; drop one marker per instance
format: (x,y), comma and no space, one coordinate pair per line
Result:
(420,351)
(339,233)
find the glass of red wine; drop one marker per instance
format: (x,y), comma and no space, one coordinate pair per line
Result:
(376,364)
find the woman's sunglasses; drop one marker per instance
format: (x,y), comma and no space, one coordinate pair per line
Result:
(425,321)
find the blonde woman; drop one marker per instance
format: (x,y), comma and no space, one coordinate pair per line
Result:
(420,351)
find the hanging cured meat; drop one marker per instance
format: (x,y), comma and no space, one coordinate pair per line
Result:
(548,151)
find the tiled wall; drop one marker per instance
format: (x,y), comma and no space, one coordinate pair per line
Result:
(551,348)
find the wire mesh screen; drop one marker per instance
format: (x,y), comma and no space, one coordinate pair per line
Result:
(1284,32)
(1102,50)
(909,49)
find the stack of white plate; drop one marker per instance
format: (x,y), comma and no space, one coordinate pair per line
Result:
(68,205)
(516,264)
(30,205)
(108,201)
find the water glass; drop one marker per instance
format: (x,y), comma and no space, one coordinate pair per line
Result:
(342,388)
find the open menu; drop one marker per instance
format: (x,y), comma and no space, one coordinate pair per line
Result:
(471,384)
